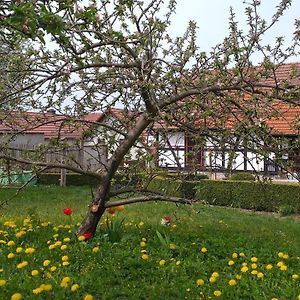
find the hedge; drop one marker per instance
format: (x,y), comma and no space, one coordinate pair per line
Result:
(270,197)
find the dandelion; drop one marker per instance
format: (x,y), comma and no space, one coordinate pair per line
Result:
(269,267)
(141,224)
(95,249)
(53,269)
(280,254)
(2,282)
(63,247)
(295,276)
(58,244)
(215,274)
(285,256)
(238,276)
(162,262)
(212,279)
(172,246)
(66,240)
(234,255)
(10,243)
(34,272)
(203,250)
(46,263)
(254,259)
(217,293)
(10,255)
(232,282)
(88,297)
(254,272)
(65,258)
(244,269)
(19,250)
(242,254)
(200,282)
(142,244)
(280,263)
(145,256)
(254,266)
(74,287)
(16,296)
(22,264)
(47,287)
(283,268)
(65,263)
(231,263)
(81,238)
(29,250)
(260,275)
(178,262)
(37,291)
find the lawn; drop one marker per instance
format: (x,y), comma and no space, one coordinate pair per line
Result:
(205,253)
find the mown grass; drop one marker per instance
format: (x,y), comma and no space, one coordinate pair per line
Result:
(169,264)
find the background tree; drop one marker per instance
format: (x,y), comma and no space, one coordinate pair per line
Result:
(91,57)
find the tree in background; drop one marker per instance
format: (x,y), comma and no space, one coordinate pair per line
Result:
(88,57)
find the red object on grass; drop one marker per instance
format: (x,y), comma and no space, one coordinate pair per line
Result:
(168,219)
(68,211)
(88,235)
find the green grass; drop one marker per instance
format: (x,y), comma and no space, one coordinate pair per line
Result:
(118,270)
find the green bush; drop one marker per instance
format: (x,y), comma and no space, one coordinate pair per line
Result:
(242,177)
(250,195)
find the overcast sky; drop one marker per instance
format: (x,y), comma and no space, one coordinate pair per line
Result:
(212,19)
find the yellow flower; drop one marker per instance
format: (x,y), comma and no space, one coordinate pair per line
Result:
(19,249)
(10,255)
(215,274)
(22,264)
(254,266)
(2,242)
(64,284)
(234,255)
(254,259)
(141,224)
(47,287)
(244,269)
(29,250)
(217,293)
(67,240)
(232,282)
(65,263)
(88,297)
(269,267)
(81,238)
(53,269)
(242,254)
(231,263)
(66,279)
(16,296)
(200,282)
(20,233)
(145,256)
(283,268)
(52,246)
(172,246)
(46,263)
(238,276)
(203,250)
(254,272)
(280,263)
(178,262)
(58,243)
(274,299)
(2,282)
(295,276)
(280,254)
(96,249)
(144,239)
(63,247)
(162,262)
(142,244)
(285,256)
(74,287)
(37,291)
(34,272)
(65,258)
(212,279)
(10,243)
(120,208)
(260,275)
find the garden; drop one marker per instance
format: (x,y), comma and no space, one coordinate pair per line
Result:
(143,251)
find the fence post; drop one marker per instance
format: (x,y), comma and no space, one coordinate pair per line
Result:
(63,173)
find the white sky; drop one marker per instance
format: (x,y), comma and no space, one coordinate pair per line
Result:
(212,19)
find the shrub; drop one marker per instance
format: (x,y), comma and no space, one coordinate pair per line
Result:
(242,177)
(250,195)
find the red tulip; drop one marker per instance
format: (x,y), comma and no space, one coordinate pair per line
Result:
(67,211)
(88,235)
